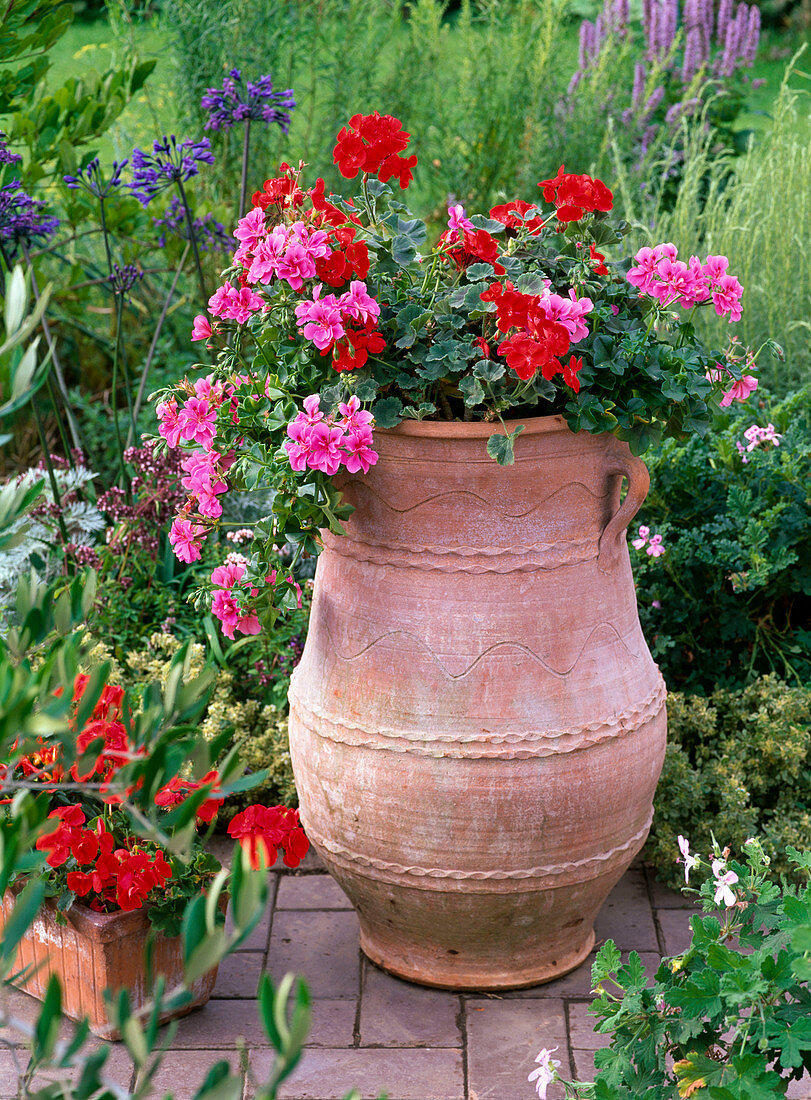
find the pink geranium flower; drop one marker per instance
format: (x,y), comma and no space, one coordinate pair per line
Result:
(170,427)
(321,319)
(655,549)
(201,329)
(638,543)
(726,297)
(357,444)
(186,539)
(198,422)
(740,390)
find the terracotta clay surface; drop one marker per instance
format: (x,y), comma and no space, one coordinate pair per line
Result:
(477,726)
(92,952)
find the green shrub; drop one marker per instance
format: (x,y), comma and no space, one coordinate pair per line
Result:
(729,598)
(738,764)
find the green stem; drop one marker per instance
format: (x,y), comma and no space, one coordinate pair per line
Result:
(193,240)
(119,305)
(46,454)
(243,187)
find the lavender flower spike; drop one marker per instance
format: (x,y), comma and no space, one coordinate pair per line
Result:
(752,40)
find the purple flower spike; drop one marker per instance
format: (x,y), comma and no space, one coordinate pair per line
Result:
(21,220)
(90,179)
(237,102)
(168,163)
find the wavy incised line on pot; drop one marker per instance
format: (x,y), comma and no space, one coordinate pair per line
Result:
(428,876)
(519,746)
(482,500)
(562,674)
(462,559)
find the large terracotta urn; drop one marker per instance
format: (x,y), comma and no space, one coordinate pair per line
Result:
(476,725)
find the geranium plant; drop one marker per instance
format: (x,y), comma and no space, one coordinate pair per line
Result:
(338,317)
(93,852)
(730,1017)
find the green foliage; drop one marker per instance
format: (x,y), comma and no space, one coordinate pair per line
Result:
(735,580)
(743,757)
(53,125)
(755,209)
(729,1018)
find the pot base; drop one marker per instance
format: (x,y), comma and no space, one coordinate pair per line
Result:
(430,969)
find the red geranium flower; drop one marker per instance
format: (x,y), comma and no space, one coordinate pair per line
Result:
(508,214)
(573,195)
(599,266)
(372,144)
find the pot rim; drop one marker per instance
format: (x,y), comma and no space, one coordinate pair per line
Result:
(471,429)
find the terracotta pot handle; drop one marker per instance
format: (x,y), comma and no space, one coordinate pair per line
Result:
(613,537)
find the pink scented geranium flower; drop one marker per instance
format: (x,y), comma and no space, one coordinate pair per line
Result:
(186,539)
(726,297)
(225,606)
(638,543)
(724,881)
(546,1073)
(655,549)
(359,454)
(689,861)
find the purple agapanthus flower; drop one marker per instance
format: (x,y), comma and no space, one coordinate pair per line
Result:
(211,235)
(169,162)
(237,102)
(123,279)
(5,156)
(90,178)
(21,219)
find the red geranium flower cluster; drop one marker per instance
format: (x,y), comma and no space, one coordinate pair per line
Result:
(263,830)
(475,246)
(574,195)
(349,258)
(282,191)
(120,878)
(545,326)
(513,214)
(179,790)
(372,144)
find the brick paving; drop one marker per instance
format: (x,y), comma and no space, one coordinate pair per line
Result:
(375,1033)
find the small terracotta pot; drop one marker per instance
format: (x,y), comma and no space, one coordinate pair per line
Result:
(97,951)
(476,725)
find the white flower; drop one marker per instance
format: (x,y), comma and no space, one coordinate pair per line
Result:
(545,1074)
(723,881)
(689,861)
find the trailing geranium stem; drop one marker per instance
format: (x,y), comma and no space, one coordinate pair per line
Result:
(139,397)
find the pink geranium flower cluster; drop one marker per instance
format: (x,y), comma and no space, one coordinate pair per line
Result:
(324,320)
(195,421)
(233,305)
(662,275)
(285,252)
(229,595)
(654,546)
(755,436)
(324,443)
